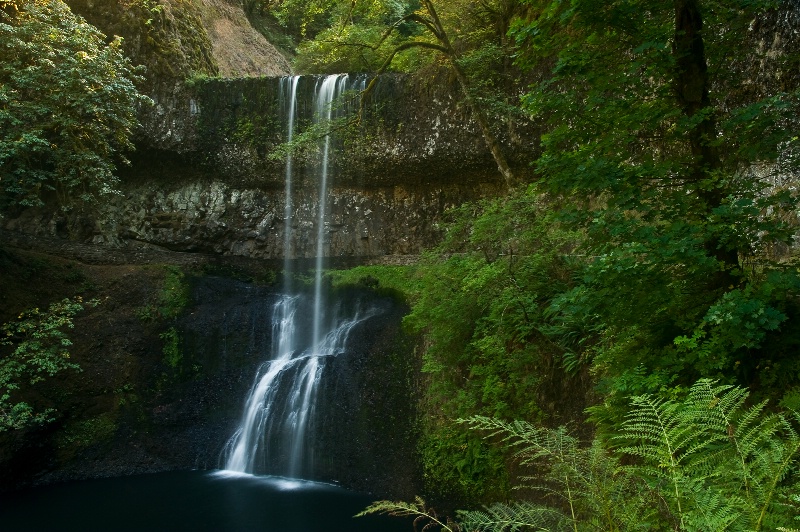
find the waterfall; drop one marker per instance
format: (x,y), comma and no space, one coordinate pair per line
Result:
(324,111)
(273,434)
(288,84)
(276,431)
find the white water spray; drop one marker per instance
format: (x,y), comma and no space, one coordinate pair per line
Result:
(329,88)
(272,435)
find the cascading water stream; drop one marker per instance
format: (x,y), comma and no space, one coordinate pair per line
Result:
(288,206)
(324,112)
(278,421)
(272,435)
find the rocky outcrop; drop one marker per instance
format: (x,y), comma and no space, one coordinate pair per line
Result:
(238,49)
(213,217)
(176,39)
(415,154)
(204,179)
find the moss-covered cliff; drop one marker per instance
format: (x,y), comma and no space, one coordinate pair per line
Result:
(204,179)
(167,358)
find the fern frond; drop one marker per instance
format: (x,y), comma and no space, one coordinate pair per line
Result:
(773,466)
(417,509)
(530,442)
(711,509)
(683,444)
(724,463)
(708,462)
(662,435)
(513,517)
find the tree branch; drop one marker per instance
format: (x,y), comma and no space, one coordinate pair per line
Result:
(444,47)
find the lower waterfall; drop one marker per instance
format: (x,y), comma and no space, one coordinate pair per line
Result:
(276,431)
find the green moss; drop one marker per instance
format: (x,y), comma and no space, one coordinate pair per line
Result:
(172,348)
(172,299)
(399,282)
(166,36)
(175,294)
(126,395)
(85,433)
(252,130)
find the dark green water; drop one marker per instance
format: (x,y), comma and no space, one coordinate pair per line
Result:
(191,500)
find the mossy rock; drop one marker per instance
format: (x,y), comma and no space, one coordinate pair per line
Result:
(166,36)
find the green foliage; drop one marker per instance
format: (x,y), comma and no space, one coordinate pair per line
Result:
(37,347)
(357,37)
(172,348)
(342,36)
(350,49)
(172,298)
(483,310)
(308,141)
(667,192)
(197,79)
(483,306)
(151,6)
(458,465)
(401,282)
(706,462)
(67,105)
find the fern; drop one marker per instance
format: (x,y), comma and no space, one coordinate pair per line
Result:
(586,484)
(724,463)
(513,517)
(422,514)
(707,463)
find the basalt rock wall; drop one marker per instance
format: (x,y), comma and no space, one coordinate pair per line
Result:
(207,177)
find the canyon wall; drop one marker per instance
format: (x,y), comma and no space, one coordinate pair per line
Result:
(205,177)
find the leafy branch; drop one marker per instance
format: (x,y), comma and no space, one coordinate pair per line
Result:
(39,348)
(429,19)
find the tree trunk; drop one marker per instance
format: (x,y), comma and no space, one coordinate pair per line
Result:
(444,47)
(691,85)
(477,112)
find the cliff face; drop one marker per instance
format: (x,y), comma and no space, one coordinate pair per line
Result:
(415,154)
(142,404)
(178,39)
(202,178)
